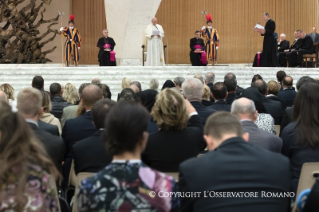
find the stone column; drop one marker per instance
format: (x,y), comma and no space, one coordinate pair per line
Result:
(126,20)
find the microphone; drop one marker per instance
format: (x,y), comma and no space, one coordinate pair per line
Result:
(259,22)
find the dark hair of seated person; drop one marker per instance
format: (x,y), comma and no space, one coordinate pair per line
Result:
(124,127)
(99,112)
(168,84)
(147,98)
(127,94)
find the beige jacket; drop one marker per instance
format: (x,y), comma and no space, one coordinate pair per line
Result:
(50,119)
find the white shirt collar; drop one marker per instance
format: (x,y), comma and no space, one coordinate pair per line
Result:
(209,27)
(32,122)
(125,161)
(245,120)
(270,95)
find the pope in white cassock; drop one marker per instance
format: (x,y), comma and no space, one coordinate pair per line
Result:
(155,51)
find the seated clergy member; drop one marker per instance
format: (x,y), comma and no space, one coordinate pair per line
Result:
(219,95)
(89,154)
(57,101)
(231,85)
(288,94)
(197,46)
(296,44)
(81,127)
(193,90)
(283,44)
(175,141)
(274,108)
(29,104)
(126,184)
(295,56)
(246,111)
(233,165)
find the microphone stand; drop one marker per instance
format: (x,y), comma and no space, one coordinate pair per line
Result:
(250,46)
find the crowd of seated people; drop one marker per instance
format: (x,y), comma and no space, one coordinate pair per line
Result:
(217,136)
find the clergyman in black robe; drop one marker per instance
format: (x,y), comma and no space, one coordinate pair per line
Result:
(195,43)
(268,56)
(105,53)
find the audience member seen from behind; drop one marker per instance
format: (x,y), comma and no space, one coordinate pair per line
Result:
(126,137)
(38,83)
(89,154)
(193,91)
(127,94)
(106,91)
(126,82)
(200,77)
(280,76)
(231,75)
(175,141)
(233,165)
(154,84)
(3,97)
(219,95)
(288,94)
(301,137)
(46,116)
(9,91)
(178,81)
(206,96)
(57,101)
(27,175)
(231,86)
(246,111)
(147,98)
(256,77)
(273,90)
(70,94)
(264,120)
(138,84)
(168,84)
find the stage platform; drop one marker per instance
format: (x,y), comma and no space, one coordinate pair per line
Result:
(20,76)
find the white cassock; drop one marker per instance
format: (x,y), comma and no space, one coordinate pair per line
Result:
(155,51)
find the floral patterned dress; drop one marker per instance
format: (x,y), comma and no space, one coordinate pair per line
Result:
(127,186)
(39,195)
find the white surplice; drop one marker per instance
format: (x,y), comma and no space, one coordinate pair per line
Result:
(155,51)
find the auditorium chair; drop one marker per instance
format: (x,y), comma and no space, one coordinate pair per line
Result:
(81,176)
(277,128)
(313,56)
(309,174)
(144,48)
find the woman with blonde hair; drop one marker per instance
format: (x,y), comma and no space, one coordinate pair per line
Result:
(70,94)
(126,83)
(47,117)
(9,91)
(206,96)
(27,175)
(175,141)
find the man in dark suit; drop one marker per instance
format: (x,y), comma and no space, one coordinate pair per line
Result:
(81,127)
(273,89)
(192,91)
(231,75)
(246,111)
(274,108)
(38,82)
(196,44)
(233,165)
(219,94)
(57,101)
(288,94)
(29,104)
(314,35)
(90,154)
(53,129)
(268,56)
(231,86)
(295,57)
(281,55)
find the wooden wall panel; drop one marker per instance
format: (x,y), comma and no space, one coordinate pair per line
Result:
(90,19)
(233,20)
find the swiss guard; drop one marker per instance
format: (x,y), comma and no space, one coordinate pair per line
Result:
(72,43)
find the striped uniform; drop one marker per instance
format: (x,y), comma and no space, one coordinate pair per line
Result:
(211,38)
(71,47)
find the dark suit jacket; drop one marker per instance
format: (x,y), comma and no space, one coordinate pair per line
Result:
(58,104)
(306,45)
(207,103)
(165,150)
(77,129)
(203,112)
(221,105)
(274,108)
(53,144)
(283,46)
(286,118)
(296,44)
(230,98)
(50,128)
(297,153)
(90,154)
(262,138)
(275,98)
(288,96)
(235,166)
(314,37)
(239,90)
